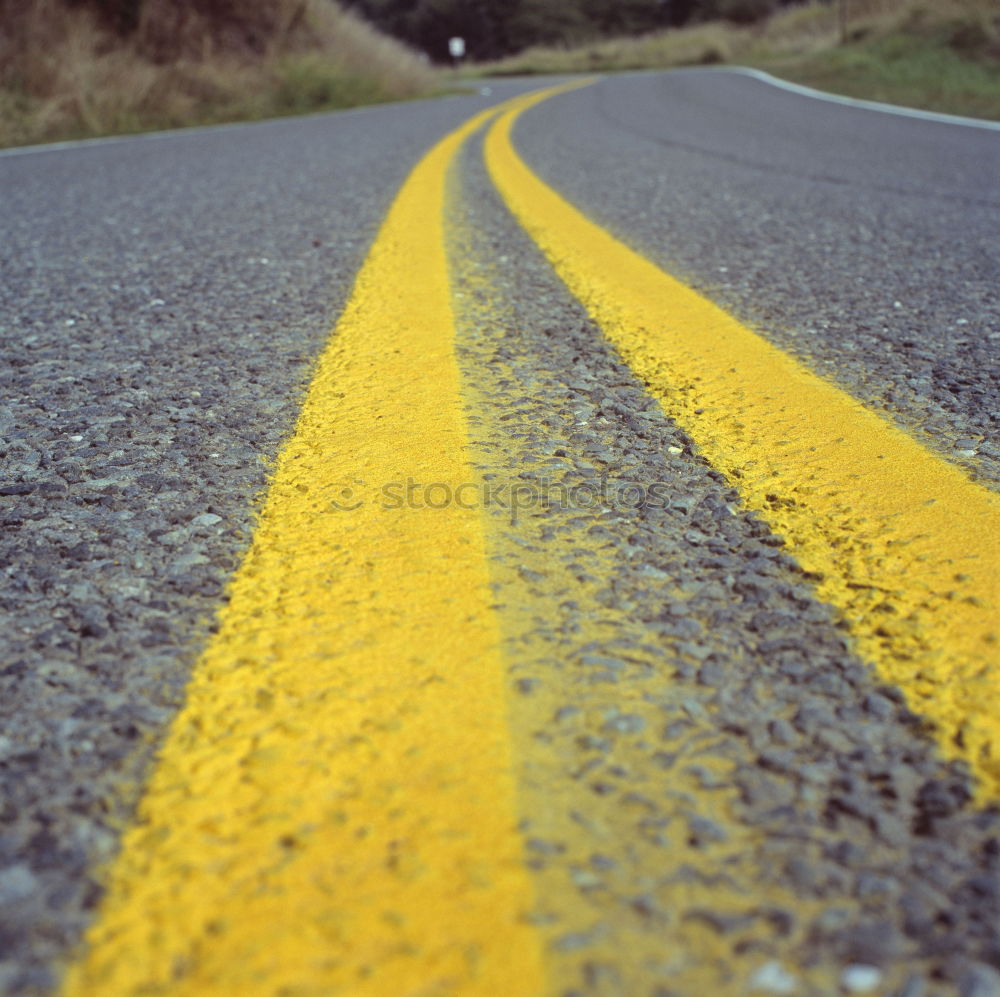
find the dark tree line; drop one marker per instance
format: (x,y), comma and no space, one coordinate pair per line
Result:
(493,28)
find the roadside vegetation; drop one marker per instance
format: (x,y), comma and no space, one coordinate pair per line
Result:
(940,55)
(79,68)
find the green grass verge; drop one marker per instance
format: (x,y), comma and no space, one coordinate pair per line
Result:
(900,68)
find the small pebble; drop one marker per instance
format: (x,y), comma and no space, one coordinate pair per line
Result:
(980,980)
(859,979)
(17,883)
(627,723)
(206,519)
(773,978)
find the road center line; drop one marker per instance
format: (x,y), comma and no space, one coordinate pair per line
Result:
(902,543)
(333,811)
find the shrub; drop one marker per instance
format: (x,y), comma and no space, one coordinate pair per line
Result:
(70,68)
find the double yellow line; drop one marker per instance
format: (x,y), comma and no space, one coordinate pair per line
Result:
(332,811)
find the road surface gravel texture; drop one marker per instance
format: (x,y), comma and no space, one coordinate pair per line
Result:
(717,794)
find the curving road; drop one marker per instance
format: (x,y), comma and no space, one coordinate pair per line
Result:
(715,790)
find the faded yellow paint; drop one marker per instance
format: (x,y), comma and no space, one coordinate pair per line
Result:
(332,811)
(639,916)
(901,542)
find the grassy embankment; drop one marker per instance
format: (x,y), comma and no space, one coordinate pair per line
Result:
(942,55)
(67,73)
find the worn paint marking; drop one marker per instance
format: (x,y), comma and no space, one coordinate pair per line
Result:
(901,542)
(607,810)
(333,810)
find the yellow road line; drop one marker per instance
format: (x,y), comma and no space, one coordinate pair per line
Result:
(642,835)
(902,543)
(333,809)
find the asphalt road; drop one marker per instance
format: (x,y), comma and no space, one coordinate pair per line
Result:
(163,300)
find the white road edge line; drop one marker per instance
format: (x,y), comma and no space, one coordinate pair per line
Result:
(870,105)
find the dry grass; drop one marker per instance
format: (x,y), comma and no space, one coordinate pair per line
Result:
(64,74)
(701,45)
(939,54)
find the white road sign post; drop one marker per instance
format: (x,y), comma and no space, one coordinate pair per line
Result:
(456,49)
